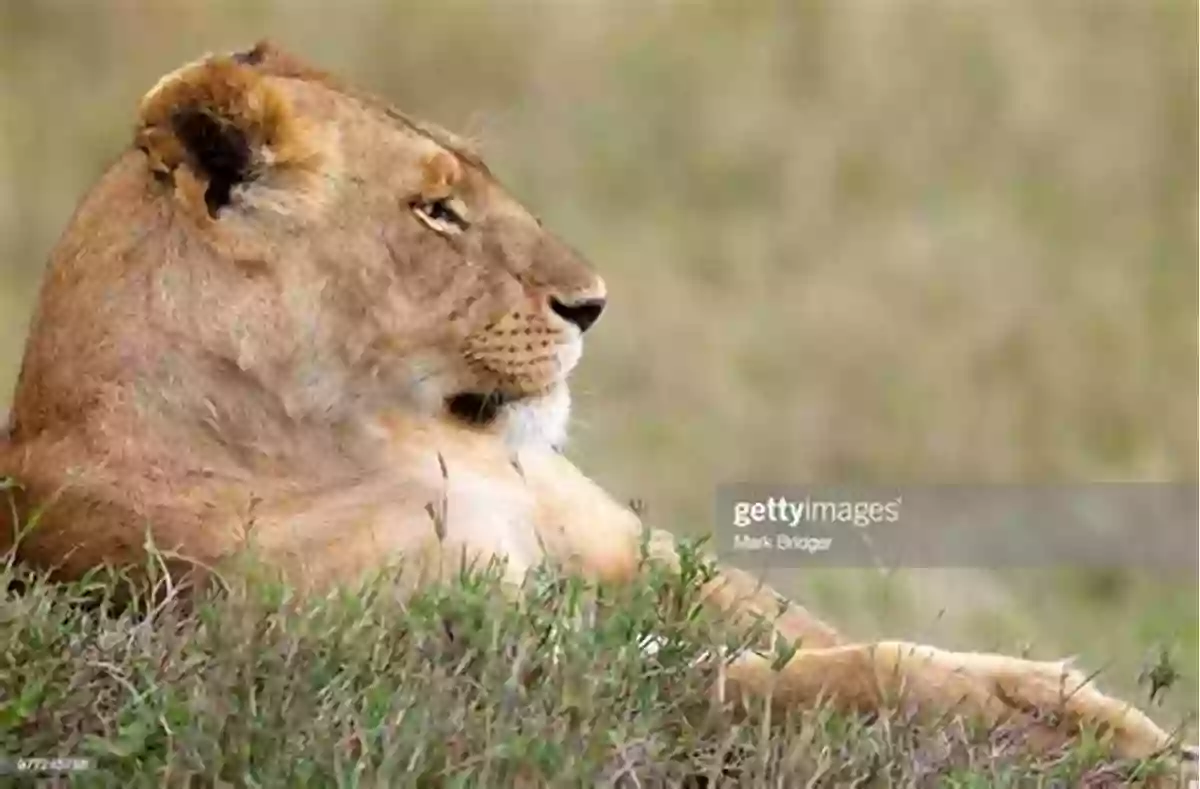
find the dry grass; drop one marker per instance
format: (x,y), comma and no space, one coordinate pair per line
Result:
(917,241)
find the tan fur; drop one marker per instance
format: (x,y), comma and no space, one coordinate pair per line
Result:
(275,372)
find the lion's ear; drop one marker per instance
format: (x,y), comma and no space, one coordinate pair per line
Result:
(219,123)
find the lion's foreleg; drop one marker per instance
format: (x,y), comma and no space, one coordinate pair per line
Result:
(606,540)
(582,526)
(1047,698)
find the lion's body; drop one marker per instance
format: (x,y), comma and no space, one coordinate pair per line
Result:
(293,319)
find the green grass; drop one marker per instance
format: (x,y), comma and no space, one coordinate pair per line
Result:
(459,685)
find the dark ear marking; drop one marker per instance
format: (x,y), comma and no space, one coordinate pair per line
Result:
(217,148)
(218,123)
(254,56)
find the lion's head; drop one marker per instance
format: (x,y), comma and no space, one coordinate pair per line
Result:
(339,255)
(278,278)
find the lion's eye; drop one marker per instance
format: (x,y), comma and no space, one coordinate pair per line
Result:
(446,215)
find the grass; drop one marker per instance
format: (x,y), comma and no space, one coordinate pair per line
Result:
(245,684)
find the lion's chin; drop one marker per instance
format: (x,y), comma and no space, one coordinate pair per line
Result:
(539,421)
(529,421)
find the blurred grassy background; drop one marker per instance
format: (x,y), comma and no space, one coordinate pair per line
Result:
(865,240)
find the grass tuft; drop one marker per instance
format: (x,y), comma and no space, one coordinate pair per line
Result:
(461,684)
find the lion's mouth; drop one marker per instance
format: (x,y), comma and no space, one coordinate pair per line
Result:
(477,408)
(520,419)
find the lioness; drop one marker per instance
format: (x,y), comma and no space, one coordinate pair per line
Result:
(291,317)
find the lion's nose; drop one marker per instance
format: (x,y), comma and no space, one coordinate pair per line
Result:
(582,313)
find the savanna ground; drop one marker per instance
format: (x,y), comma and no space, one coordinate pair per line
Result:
(567,685)
(865,241)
